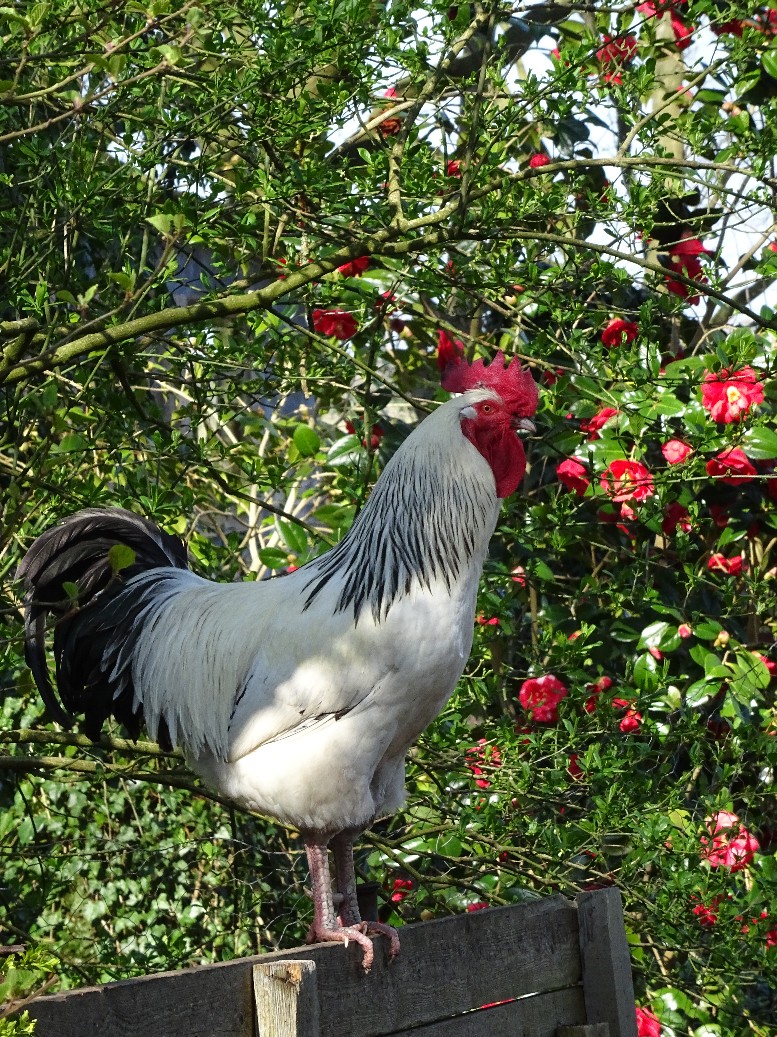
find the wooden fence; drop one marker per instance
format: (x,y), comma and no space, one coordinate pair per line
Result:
(547,968)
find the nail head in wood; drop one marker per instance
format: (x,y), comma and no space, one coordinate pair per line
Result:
(286,994)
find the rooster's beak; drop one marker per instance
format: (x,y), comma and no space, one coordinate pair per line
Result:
(524,425)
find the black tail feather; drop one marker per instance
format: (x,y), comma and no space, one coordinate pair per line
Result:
(93,629)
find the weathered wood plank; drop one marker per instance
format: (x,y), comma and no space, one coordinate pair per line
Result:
(592,1030)
(604,950)
(537,1016)
(447,966)
(286,995)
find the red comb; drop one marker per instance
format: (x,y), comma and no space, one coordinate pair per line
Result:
(515,385)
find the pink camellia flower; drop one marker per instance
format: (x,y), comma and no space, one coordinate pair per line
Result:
(675,451)
(731,845)
(540,697)
(684,258)
(727,395)
(480,905)
(336,323)
(731,466)
(538,160)
(573,475)
(684,631)
(647,1023)
(593,425)
(400,889)
(676,516)
(733,566)
(619,332)
(614,55)
(518,575)
(627,481)
(355,268)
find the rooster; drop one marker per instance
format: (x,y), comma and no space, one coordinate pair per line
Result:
(299,696)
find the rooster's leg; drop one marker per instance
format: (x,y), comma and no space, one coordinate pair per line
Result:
(325,925)
(345,882)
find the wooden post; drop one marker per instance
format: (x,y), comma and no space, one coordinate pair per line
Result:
(604,952)
(286,995)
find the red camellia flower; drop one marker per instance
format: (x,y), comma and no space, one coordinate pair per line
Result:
(376,434)
(676,516)
(727,395)
(355,268)
(598,421)
(731,846)
(540,697)
(619,332)
(732,466)
(614,55)
(632,720)
(336,323)
(400,890)
(573,475)
(539,160)
(449,350)
(733,566)
(684,258)
(486,621)
(647,1023)
(706,913)
(627,480)
(596,689)
(675,451)
(480,756)
(574,770)
(657,8)
(480,905)
(453,168)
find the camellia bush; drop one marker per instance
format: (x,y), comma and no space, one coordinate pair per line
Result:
(237,241)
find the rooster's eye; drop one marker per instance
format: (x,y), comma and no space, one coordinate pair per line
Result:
(486,408)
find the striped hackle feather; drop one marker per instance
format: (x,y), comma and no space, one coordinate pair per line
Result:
(226,669)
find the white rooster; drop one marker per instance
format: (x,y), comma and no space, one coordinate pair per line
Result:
(297,697)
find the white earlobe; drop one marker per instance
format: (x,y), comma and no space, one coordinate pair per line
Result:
(468,412)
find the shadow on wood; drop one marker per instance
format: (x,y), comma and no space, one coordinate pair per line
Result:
(547,968)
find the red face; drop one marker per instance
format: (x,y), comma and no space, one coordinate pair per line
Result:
(492,427)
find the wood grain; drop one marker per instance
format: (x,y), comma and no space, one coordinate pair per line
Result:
(286,994)
(604,950)
(448,970)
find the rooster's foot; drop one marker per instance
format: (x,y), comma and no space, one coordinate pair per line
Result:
(380,929)
(344,934)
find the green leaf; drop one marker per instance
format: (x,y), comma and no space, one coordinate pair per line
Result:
(344,451)
(120,556)
(769,62)
(760,443)
(274,557)
(306,440)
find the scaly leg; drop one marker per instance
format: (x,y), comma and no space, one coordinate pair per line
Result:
(325,925)
(345,883)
